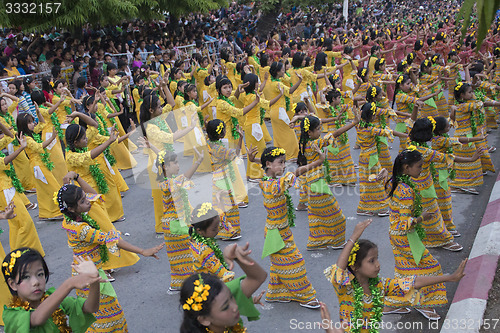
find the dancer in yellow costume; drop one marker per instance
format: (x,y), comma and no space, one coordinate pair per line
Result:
(5,296)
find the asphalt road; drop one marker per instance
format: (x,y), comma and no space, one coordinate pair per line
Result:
(142,288)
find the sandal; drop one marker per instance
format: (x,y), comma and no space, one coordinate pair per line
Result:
(338,247)
(319,248)
(429,314)
(361,213)
(384,213)
(314,304)
(277,300)
(453,246)
(301,209)
(31,206)
(492,149)
(397,311)
(469,190)
(455,233)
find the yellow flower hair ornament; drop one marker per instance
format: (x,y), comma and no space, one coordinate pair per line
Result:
(404,62)
(335,77)
(435,58)
(307,124)
(363,72)
(497,49)
(373,92)
(381,61)
(51,84)
(373,107)
(54,198)
(426,62)
(205,207)
(294,106)
(277,152)
(458,86)
(411,148)
(9,266)
(431,119)
(200,294)
(220,128)
(352,255)
(400,79)
(161,157)
(421,43)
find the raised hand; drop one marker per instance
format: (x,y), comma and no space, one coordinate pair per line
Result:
(251,153)
(360,228)
(22,140)
(85,266)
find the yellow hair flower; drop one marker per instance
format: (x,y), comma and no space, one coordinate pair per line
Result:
(205,207)
(363,72)
(435,58)
(54,197)
(373,92)
(433,38)
(294,105)
(161,157)
(334,37)
(433,122)
(426,62)
(200,294)
(381,61)
(373,107)
(400,79)
(458,86)
(411,148)
(278,151)
(404,62)
(352,255)
(421,43)
(335,77)
(220,128)
(51,84)
(307,124)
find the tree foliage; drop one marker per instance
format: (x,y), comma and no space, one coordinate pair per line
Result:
(75,13)
(486,10)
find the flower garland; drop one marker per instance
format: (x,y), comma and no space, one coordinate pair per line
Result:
(432,168)
(480,120)
(417,203)
(10,120)
(238,328)
(450,151)
(58,316)
(289,204)
(164,128)
(11,172)
(103,130)
(103,250)
(112,119)
(45,155)
(55,122)
(234,121)
(96,173)
(212,244)
(327,170)
(340,123)
(357,319)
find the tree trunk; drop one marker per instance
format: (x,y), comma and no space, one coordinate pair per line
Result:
(267,21)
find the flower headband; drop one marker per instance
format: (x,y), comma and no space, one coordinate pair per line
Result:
(335,77)
(352,255)
(294,106)
(373,92)
(9,266)
(199,295)
(307,124)
(435,58)
(205,207)
(400,79)
(57,198)
(220,128)
(411,148)
(51,84)
(277,152)
(458,86)
(426,62)
(433,122)
(381,61)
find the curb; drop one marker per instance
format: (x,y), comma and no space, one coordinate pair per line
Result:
(469,303)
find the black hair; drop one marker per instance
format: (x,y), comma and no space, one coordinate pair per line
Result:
(435,58)
(348,49)
(189,87)
(364,78)
(424,65)
(410,57)
(297,60)
(421,131)
(367,112)
(275,68)
(396,87)
(401,66)
(267,157)
(58,82)
(314,122)
(406,157)
(458,92)
(22,123)
(80,82)
(321,60)
(167,159)
(252,79)
(190,322)
(68,197)
(379,63)
(264,59)
(374,49)
(332,94)
(373,90)
(364,246)
(74,132)
(17,84)
(222,82)
(333,79)
(150,102)
(110,66)
(38,97)
(418,45)
(211,128)
(441,123)
(300,107)
(28,256)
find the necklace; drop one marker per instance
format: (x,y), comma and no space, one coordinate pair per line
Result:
(357,318)
(58,316)
(339,123)
(11,172)
(45,155)
(417,203)
(432,168)
(103,130)
(212,244)
(450,151)
(234,121)
(10,120)
(96,173)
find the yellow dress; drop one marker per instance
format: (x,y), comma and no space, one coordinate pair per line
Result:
(46,183)
(254,132)
(85,241)
(80,163)
(404,103)
(305,88)
(99,214)
(195,139)
(348,74)
(205,261)
(401,218)
(288,276)
(61,112)
(21,162)
(55,148)
(5,296)
(342,283)
(22,231)
(283,136)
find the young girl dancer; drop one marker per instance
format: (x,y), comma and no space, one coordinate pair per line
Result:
(361,291)
(209,305)
(288,280)
(33,308)
(86,238)
(326,220)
